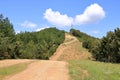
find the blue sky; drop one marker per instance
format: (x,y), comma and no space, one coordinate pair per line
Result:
(94,17)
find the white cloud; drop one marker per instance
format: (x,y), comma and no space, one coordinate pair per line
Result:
(17,32)
(95,32)
(28,24)
(39,29)
(92,14)
(58,19)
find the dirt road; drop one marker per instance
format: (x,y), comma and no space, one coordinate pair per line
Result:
(43,70)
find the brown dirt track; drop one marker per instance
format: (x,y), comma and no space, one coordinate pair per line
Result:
(43,70)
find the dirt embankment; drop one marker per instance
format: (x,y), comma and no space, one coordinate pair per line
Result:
(70,49)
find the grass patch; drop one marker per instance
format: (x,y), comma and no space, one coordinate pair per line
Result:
(9,70)
(96,70)
(75,70)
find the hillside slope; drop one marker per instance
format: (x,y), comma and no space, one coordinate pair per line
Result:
(70,49)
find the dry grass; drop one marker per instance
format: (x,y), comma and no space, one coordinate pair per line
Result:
(13,69)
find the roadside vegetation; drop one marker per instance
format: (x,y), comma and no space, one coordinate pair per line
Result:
(93,70)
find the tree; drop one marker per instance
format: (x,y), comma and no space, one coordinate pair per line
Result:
(6,37)
(29,51)
(109,49)
(6,28)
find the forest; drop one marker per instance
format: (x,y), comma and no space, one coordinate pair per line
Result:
(28,45)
